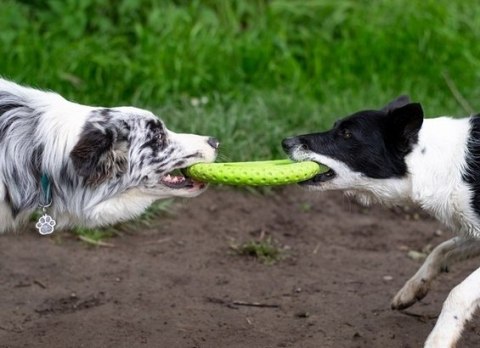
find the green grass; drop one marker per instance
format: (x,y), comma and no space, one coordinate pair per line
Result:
(156,209)
(95,236)
(249,72)
(268,68)
(100,236)
(265,250)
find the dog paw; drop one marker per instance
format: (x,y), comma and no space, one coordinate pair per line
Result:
(413,291)
(441,340)
(45,225)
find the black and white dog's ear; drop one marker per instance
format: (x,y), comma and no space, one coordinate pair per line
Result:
(397,103)
(100,153)
(404,124)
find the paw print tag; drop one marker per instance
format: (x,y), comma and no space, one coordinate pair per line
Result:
(45,224)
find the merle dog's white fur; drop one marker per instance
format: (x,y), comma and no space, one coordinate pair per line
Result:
(441,163)
(105,165)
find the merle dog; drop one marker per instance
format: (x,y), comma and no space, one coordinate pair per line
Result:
(90,165)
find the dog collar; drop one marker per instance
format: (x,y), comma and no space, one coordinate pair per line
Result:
(46,223)
(46,198)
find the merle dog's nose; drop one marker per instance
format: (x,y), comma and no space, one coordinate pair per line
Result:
(213,142)
(289,143)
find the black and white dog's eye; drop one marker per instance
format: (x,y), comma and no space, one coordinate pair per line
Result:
(303,147)
(346,134)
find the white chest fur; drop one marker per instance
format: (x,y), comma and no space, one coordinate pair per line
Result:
(436,167)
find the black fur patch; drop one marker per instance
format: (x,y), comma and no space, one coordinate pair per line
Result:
(4,108)
(35,164)
(472,173)
(8,199)
(7,107)
(399,102)
(96,156)
(156,137)
(370,142)
(92,145)
(6,126)
(65,179)
(106,113)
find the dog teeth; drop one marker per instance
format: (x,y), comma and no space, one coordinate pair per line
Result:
(173,179)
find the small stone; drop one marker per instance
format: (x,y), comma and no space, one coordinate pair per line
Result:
(387,278)
(416,255)
(302,315)
(438,233)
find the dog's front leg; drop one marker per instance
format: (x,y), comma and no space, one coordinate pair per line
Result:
(459,306)
(123,207)
(418,286)
(443,256)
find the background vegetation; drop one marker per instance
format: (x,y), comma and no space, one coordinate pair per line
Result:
(248,72)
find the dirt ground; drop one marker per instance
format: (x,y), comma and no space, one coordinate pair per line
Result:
(178,283)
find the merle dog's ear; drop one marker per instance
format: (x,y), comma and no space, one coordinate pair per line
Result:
(404,123)
(100,153)
(397,103)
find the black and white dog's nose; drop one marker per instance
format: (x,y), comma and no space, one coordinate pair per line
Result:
(213,142)
(289,143)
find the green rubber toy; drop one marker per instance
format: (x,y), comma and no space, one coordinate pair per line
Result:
(257,173)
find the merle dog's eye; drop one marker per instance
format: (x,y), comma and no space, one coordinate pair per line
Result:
(155,130)
(157,134)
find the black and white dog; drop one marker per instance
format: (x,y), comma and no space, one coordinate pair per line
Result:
(392,156)
(99,165)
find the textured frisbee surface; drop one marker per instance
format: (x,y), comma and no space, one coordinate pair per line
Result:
(258,173)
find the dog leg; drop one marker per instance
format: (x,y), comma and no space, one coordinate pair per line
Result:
(445,254)
(459,307)
(126,206)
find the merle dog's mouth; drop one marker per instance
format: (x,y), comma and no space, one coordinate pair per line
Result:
(320,178)
(178,179)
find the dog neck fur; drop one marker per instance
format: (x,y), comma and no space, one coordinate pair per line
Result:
(29,137)
(434,179)
(436,168)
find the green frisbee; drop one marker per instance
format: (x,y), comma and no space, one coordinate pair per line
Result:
(256,173)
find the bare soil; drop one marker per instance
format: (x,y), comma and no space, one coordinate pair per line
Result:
(178,282)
